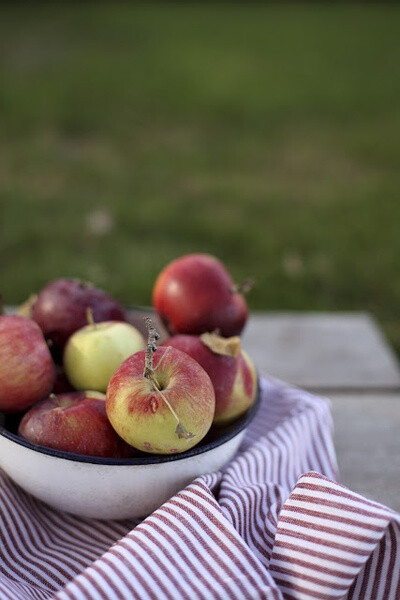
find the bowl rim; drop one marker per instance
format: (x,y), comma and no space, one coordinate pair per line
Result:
(228,432)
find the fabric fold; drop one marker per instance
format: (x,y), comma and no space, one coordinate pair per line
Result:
(273,524)
(186,549)
(332,543)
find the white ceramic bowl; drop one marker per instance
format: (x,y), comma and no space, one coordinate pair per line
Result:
(105,488)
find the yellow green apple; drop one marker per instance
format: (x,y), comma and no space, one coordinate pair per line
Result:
(95,351)
(165,409)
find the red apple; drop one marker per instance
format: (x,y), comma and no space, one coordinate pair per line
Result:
(230,369)
(27,371)
(73,422)
(195,294)
(61,309)
(165,409)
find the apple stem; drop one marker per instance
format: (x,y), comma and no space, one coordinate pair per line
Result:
(1,305)
(54,398)
(89,316)
(152,337)
(244,286)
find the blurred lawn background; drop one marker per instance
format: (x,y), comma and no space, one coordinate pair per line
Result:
(266,134)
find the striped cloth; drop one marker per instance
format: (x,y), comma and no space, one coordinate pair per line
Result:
(274,524)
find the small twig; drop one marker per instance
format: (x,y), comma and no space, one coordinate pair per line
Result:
(152,337)
(180,430)
(168,348)
(244,287)
(26,308)
(54,399)
(89,316)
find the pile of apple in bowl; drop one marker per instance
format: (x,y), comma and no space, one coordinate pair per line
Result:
(102,418)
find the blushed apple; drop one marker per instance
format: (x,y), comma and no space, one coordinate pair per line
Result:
(231,371)
(195,294)
(27,371)
(94,352)
(160,400)
(74,422)
(61,307)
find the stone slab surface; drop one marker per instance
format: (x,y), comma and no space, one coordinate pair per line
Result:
(322,350)
(367,443)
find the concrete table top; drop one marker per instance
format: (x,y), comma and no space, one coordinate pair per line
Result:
(367,443)
(344,357)
(322,350)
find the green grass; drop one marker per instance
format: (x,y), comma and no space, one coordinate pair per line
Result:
(268,135)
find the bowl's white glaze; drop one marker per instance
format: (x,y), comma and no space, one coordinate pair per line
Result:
(107,491)
(113,488)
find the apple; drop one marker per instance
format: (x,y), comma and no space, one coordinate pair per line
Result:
(73,422)
(195,294)
(93,353)
(231,371)
(61,308)
(160,400)
(27,371)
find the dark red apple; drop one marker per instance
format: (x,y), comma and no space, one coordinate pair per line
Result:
(195,294)
(27,371)
(231,371)
(61,309)
(74,422)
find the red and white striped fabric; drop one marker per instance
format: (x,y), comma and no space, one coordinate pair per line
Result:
(274,524)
